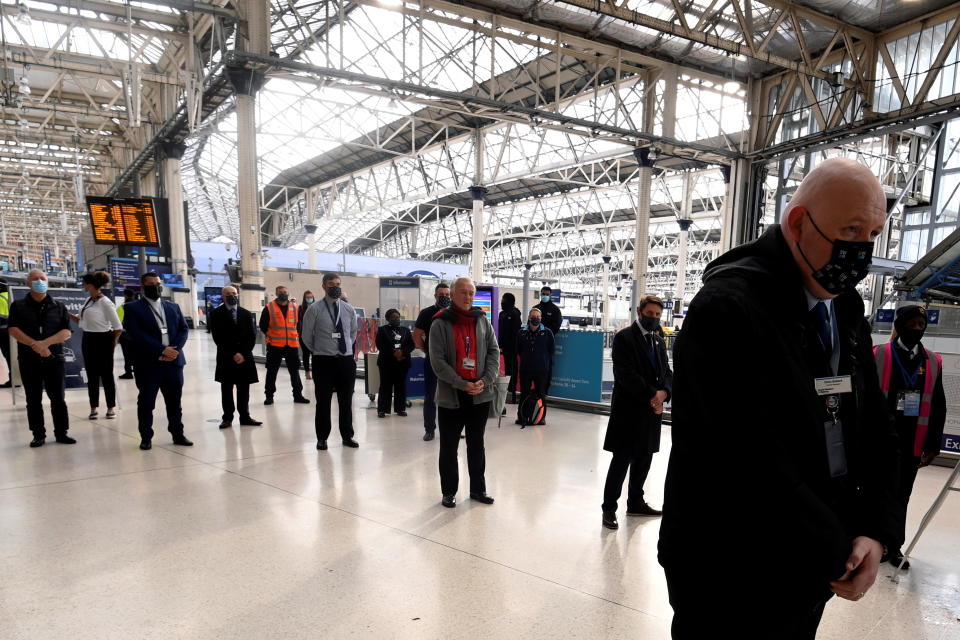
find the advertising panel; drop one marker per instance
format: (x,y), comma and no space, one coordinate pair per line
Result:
(578,366)
(76,374)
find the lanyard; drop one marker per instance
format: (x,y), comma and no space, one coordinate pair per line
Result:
(87,304)
(334,319)
(466,345)
(162,320)
(910,380)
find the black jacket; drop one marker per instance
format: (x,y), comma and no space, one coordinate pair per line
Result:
(535,349)
(634,428)
(749,475)
(233,338)
(39,320)
(508,326)
(385,345)
(551,316)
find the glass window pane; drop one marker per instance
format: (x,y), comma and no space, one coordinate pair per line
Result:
(939,233)
(948,198)
(914,245)
(918,218)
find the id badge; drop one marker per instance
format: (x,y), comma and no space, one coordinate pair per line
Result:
(335,335)
(911,404)
(396,345)
(836,452)
(469,363)
(833,386)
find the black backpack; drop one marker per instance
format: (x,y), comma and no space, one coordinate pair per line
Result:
(531,411)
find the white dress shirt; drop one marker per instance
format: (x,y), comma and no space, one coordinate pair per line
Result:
(99,316)
(161,317)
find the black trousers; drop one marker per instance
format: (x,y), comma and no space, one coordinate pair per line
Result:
(5,345)
(242,406)
(275,355)
(703,610)
(167,379)
(97,351)
(639,467)
(429,397)
(908,474)
(334,374)
(127,359)
(393,384)
(307,356)
(510,368)
(473,418)
(38,375)
(534,383)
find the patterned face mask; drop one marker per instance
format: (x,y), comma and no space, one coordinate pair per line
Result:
(848,264)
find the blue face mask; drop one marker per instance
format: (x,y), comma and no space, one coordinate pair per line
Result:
(545,298)
(39,286)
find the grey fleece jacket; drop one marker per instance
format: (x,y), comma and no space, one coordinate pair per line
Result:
(443,353)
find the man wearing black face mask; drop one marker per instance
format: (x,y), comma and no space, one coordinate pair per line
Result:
(642,381)
(235,333)
(157,333)
(535,345)
(395,344)
(910,377)
(421,335)
(279,322)
(784,456)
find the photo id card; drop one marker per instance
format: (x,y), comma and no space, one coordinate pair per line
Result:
(833,385)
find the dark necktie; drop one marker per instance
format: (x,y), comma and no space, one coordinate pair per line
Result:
(824,328)
(338,327)
(233,312)
(651,348)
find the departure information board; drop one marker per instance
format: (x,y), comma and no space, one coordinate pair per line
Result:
(123,221)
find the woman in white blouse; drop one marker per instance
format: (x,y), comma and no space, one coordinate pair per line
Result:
(101,332)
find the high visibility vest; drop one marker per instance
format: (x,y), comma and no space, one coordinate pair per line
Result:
(5,304)
(884,357)
(121,311)
(282,331)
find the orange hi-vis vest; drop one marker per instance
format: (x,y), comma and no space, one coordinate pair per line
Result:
(282,332)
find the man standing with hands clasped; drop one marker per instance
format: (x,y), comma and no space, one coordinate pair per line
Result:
(234,332)
(784,458)
(329,333)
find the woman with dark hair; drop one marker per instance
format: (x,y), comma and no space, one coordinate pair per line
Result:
(308,300)
(395,343)
(101,332)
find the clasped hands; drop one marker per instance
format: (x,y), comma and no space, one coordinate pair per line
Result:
(474,388)
(169,354)
(41,348)
(656,402)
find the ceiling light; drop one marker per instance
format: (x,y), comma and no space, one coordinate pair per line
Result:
(23,124)
(24,87)
(23,14)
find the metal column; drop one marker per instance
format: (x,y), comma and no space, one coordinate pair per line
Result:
(686,213)
(246,84)
(641,242)
(311,227)
(173,190)
(605,286)
(478,192)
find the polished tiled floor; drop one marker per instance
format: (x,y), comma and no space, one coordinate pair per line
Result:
(252,533)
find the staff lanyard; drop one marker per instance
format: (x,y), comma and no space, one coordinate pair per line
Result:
(909,380)
(163,321)
(334,319)
(88,303)
(466,345)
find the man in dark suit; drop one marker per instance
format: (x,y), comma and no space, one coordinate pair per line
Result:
(642,382)
(157,332)
(234,331)
(784,457)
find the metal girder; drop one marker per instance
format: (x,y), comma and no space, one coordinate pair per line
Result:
(76,20)
(485,107)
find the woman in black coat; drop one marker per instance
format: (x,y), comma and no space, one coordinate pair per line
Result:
(233,339)
(395,343)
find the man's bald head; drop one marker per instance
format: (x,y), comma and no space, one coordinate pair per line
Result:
(228,291)
(36,274)
(844,200)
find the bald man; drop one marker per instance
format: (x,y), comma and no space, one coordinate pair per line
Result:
(781,486)
(234,331)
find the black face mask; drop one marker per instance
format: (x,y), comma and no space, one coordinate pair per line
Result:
(394,322)
(233,300)
(444,301)
(534,322)
(910,337)
(847,266)
(283,297)
(650,324)
(152,291)
(335,292)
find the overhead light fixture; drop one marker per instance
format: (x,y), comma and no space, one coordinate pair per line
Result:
(23,13)
(23,124)
(24,85)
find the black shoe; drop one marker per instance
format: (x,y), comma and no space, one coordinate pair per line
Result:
(428,436)
(268,400)
(896,557)
(449,501)
(381,414)
(644,510)
(145,445)
(249,422)
(37,442)
(322,445)
(93,415)
(353,444)
(402,414)
(65,439)
(6,385)
(126,376)
(504,412)
(610,520)
(226,424)
(301,400)
(517,421)
(481,497)
(182,441)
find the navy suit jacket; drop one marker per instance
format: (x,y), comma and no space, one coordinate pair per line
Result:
(142,329)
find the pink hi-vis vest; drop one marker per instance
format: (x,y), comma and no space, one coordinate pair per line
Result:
(884,357)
